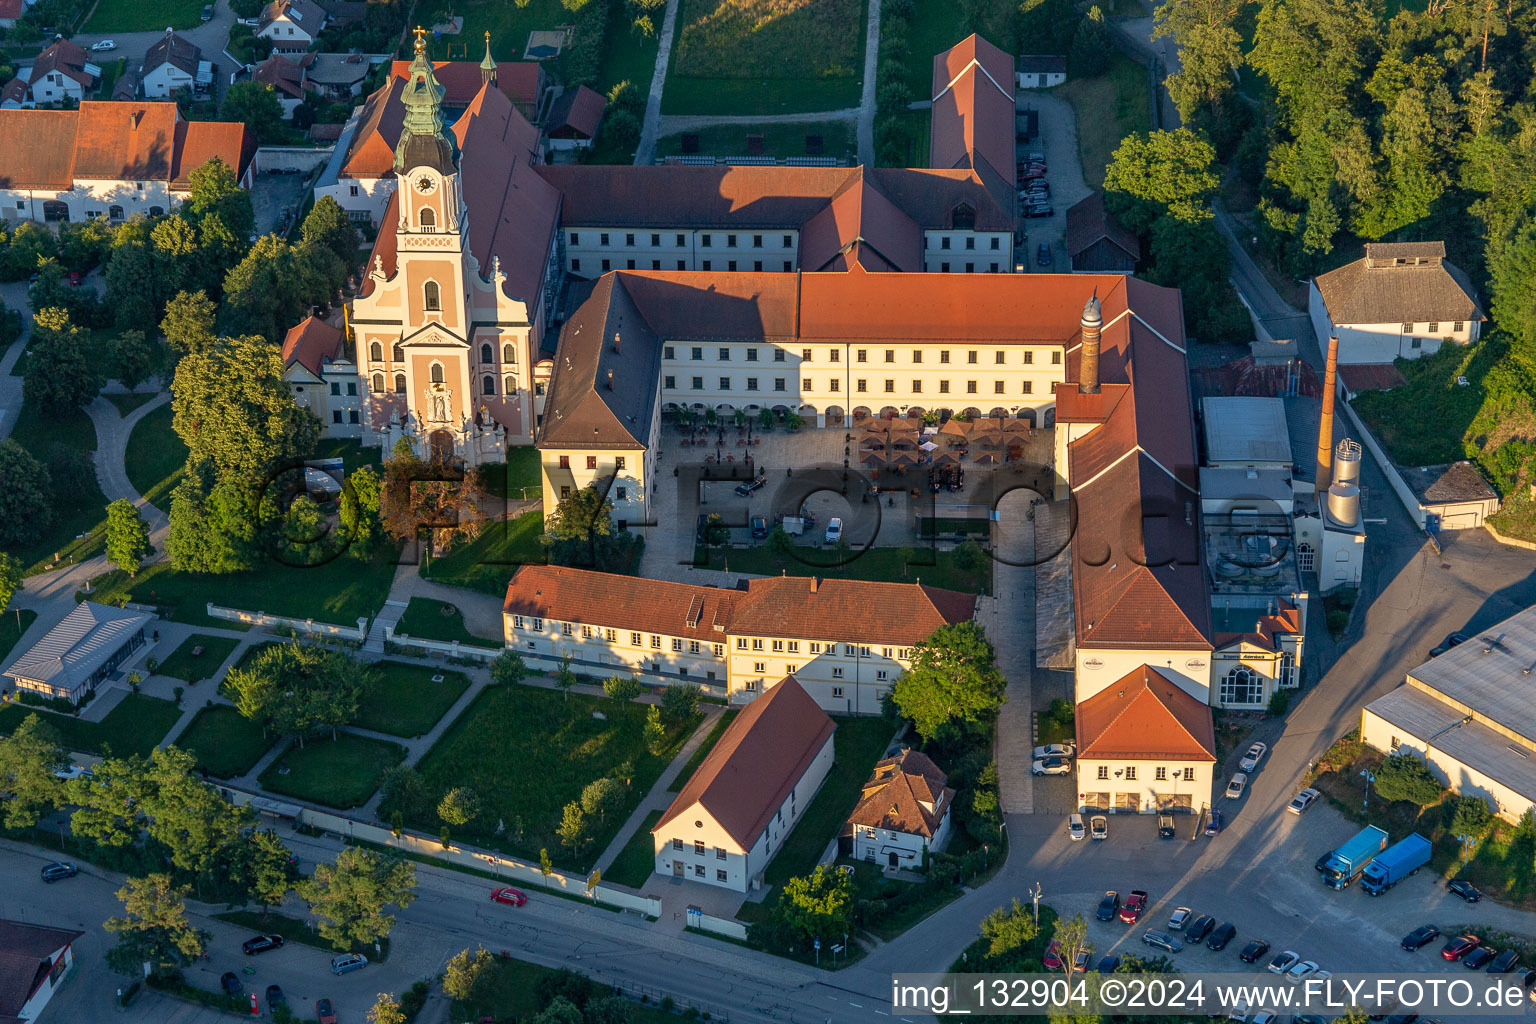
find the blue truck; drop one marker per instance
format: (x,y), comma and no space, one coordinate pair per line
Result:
(1349,860)
(1397,863)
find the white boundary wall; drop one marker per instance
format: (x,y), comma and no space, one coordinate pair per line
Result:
(358,632)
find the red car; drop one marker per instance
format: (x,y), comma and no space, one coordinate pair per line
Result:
(74,277)
(510,896)
(325,1012)
(1460,946)
(1052,958)
(1135,905)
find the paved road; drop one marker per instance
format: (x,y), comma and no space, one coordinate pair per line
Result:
(1058,142)
(1278,318)
(210,37)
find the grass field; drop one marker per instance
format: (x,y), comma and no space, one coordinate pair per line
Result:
(338,592)
(488,562)
(857,745)
(697,757)
(935,568)
(76,531)
(514,990)
(939,24)
(779,140)
(518,477)
(424,619)
(403,700)
(225,743)
(560,747)
(1122,90)
(135,726)
(766,56)
(339,773)
(155,457)
(13,623)
(194,668)
(637,861)
(144,15)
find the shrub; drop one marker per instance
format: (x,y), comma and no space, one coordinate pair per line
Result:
(1405,777)
(1471,816)
(1280,702)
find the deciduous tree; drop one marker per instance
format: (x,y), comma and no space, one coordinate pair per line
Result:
(1162,172)
(132,358)
(259,865)
(256,104)
(271,289)
(350,896)
(466,973)
(1007,929)
(953,681)
(298,689)
(28,758)
(431,498)
(386,1010)
(574,830)
(818,905)
(328,225)
(25,512)
(458,806)
(61,375)
(619,688)
(680,701)
(600,796)
(154,928)
(10,579)
(188,323)
(127,536)
(508,669)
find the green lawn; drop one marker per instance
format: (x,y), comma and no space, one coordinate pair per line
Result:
(935,568)
(351,451)
(155,457)
(517,990)
(488,562)
(144,15)
(78,531)
(225,743)
(857,744)
(1123,90)
(127,403)
(937,25)
(135,726)
(516,478)
(13,623)
(637,861)
(628,55)
(402,699)
(766,56)
(697,757)
(194,668)
(339,773)
(338,592)
(779,140)
(425,619)
(1433,420)
(508,24)
(559,748)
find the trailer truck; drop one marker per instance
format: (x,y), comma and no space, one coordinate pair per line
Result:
(1349,860)
(1397,863)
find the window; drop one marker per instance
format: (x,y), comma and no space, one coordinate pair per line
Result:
(999,358)
(1434,327)
(618,463)
(335,415)
(778,647)
(565,462)
(1160,774)
(720,875)
(1417,343)
(575,237)
(431,297)
(1458,326)
(565,491)
(757,266)
(655,264)
(698,383)
(730,241)
(943,387)
(944,356)
(351,191)
(1103,771)
(655,642)
(1305,557)
(677,645)
(788,241)
(837,672)
(759,666)
(970,242)
(1130,774)
(607,265)
(861,356)
(397,352)
(669,382)
(1396,743)
(517,622)
(376,352)
(697,353)
(997,387)
(1029,356)
(629,239)
(880,676)
(586,632)
(917,387)
(610,635)
(996,244)
(1056,358)
(917,356)
(677,844)
(833,384)
(567,629)
(698,869)
(725,383)
(751,686)
(488,385)
(805,384)
(757,241)
(693,647)
(1029,387)
(508,353)
(682,264)
(837,691)
(757,643)
(668,352)
(602,239)
(970,356)
(698,847)
(719,652)
(629,264)
(1241,686)
(890,355)
(815,647)
(682,240)
(862,386)
(399,383)
(890,387)
(970,387)
(378,383)
(724,354)
(704,241)
(428,218)
(731,266)
(751,355)
(779,384)
(944,268)
(833,355)
(635,640)
(788,266)
(944,242)
(655,239)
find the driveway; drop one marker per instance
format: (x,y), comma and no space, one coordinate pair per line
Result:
(1058,142)
(210,37)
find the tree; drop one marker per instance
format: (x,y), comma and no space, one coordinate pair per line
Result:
(386,1010)
(61,375)
(154,928)
(458,806)
(818,905)
(953,681)
(260,867)
(433,499)
(271,289)
(127,536)
(655,734)
(680,701)
(1071,939)
(132,357)
(546,866)
(349,896)
(1210,49)
(559,1011)
(619,688)
(1154,173)
(110,807)
(1471,816)
(188,323)
(574,830)
(24,509)
(328,225)
(1091,45)
(256,104)
(600,796)
(564,677)
(189,817)
(360,508)
(298,689)
(1405,777)
(404,790)
(586,514)
(623,130)
(1007,929)
(465,973)
(508,669)
(10,577)
(216,196)
(28,758)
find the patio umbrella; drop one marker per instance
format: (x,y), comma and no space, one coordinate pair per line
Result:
(927,446)
(955,428)
(946,459)
(873,457)
(986,457)
(902,459)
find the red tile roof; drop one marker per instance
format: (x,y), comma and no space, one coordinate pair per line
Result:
(39,147)
(1287,620)
(862,228)
(281,74)
(628,602)
(972,118)
(906,793)
(575,114)
(1089,220)
(759,758)
(67,59)
(11,9)
(1145,716)
(201,141)
(312,343)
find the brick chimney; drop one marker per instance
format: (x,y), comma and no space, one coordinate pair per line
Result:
(1093,325)
(610,380)
(815,583)
(1325,422)
(616,341)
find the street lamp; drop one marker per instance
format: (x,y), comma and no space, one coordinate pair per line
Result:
(1468,844)
(1034,895)
(1365,773)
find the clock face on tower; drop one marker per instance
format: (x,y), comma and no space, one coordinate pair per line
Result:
(424,185)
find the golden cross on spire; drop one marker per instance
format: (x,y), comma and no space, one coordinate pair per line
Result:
(421,39)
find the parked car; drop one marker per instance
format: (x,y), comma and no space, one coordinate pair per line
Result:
(1251,759)
(746,489)
(1179,919)
(325,1013)
(1043,254)
(1301,971)
(208,16)
(1165,826)
(1224,934)
(1075,827)
(1254,950)
(1080,962)
(1451,639)
(1505,962)
(230,983)
(1197,929)
(1479,958)
(1236,786)
(1056,750)
(1283,962)
(1039,211)
(1301,801)
(759,527)
(261,943)
(510,896)
(65,772)
(74,278)
(834,530)
(1098,827)
(1051,765)
(1135,905)
(1214,826)
(275,997)
(1459,946)
(1052,957)
(1163,941)
(348,962)
(1107,964)
(1465,889)
(59,870)
(1109,906)
(105,46)
(1423,935)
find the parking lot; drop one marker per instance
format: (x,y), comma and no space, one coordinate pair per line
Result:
(1057,142)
